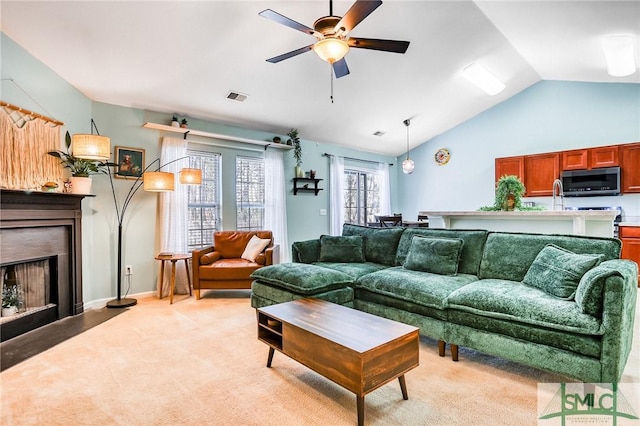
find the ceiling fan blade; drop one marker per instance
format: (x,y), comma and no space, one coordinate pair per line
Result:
(340,68)
(360,10)
(376,44)
(281,19)
(291,54)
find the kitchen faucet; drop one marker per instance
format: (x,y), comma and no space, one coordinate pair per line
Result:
(557,184)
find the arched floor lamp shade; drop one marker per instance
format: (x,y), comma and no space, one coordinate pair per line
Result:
(91,147)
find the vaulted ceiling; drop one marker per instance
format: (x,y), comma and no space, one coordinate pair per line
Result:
(184,57)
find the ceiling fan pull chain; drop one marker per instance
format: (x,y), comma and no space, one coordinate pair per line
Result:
(331,77)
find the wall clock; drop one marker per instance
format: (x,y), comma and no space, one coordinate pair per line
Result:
(442,156)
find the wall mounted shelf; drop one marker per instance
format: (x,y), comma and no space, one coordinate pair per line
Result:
(193,132)
(305,186)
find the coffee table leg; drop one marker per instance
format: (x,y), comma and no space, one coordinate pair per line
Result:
(403,387)
(360,405)
(271,351)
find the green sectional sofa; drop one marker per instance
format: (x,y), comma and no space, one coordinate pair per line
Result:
(557,302)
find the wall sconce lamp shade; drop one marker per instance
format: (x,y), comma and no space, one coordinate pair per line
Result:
(159,181)
(91,147)
(479,76)
(191,176)
(331,49)
(618,50)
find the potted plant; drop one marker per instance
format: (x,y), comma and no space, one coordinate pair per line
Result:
(80,169)
(10,300)
(509,191)
(297,151)
(183,123)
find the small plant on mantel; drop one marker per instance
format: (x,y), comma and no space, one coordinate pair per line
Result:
(79,167)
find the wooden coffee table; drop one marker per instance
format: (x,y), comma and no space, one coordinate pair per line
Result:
(356,350)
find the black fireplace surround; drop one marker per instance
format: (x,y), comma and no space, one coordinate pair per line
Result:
(43,226)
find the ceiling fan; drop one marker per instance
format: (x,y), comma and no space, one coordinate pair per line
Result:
(331,31)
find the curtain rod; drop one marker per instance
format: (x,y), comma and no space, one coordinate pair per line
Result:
(326,154)
(34,114)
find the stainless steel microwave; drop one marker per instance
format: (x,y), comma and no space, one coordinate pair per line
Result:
(591,183)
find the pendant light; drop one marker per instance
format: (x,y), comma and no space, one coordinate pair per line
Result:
(407,165)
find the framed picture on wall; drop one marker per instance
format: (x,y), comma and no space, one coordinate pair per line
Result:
(129,162)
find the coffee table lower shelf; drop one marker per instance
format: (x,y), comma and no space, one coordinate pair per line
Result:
(356,350)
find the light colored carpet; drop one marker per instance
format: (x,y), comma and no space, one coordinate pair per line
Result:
(198,362)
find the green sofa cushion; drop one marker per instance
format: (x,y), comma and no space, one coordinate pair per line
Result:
(558,271)
(471,250)
(518,302)
(267,292)
(305,251)
(302,278)
(380,244)
(590,292)
(435,255)
(356,270)
(341,249)
(422,288)
(508,255)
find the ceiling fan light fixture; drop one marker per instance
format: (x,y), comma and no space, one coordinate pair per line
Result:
(618,50)
(331,49)
(478,75)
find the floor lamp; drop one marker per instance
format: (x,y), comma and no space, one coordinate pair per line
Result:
(97,148)
(150,181)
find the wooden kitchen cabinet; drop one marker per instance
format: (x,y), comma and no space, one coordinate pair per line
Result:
(630,168)
(604,156)
(630,237)
(509,166)
(591,158)
(540,171)
(577,159)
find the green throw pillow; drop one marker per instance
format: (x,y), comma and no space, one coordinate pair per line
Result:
(557,271)
(435,255)
(341,249)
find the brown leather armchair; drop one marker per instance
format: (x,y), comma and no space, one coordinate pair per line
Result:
(221,267)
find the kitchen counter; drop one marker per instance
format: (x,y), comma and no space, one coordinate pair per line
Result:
(596,223)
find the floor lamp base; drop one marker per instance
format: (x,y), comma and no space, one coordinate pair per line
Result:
(121,303)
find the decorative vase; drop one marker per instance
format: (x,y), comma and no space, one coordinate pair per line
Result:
(299,172)
(175,123)
(80,185)
(9,311)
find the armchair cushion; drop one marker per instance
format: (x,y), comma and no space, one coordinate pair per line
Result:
(254,247)
(231,244)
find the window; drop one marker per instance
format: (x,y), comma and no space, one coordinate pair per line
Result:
(250,193)
(204,200)
(361,196)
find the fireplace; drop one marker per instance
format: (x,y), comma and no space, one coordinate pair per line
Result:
(40,258)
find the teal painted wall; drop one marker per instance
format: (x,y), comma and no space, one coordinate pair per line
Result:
(548,116)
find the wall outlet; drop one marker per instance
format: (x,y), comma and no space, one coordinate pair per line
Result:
(323,212)
(128,270)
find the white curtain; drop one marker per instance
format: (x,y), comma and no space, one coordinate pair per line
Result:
(336,196)
(385,189)
(173,213)
(275,207)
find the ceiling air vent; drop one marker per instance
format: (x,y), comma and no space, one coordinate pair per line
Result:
(378,133)
(235,96)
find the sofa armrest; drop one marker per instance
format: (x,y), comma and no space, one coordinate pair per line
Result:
(618,313)
(305,251)
(272,255)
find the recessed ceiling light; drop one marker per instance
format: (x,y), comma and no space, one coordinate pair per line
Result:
(618,50)
(482,78)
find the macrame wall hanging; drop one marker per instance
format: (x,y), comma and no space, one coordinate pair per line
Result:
(25,139)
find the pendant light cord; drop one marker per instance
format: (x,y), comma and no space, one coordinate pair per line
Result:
(331,79)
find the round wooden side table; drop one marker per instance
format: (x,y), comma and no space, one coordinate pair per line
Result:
(173,258)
